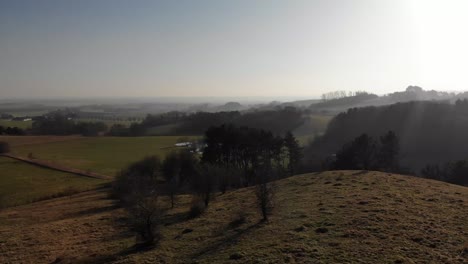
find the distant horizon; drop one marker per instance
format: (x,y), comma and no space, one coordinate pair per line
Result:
(199,99)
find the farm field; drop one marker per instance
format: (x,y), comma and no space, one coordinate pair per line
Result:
(20,124)
(109,123)
(22,183)
(328,217)
(104,155)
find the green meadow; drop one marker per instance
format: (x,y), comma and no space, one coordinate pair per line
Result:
(22,183)
(104,155)
(11,123)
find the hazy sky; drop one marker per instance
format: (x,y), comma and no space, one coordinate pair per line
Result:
(230,48)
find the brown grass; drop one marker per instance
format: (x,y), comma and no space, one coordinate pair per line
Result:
(331,217)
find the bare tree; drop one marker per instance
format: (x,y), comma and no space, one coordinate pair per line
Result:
(265,194)
(144,215)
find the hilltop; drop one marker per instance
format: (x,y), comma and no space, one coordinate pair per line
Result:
(329,217)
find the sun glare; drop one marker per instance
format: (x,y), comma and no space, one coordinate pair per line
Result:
(441,43)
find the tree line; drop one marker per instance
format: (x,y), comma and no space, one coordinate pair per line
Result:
(179,123)
(367,153)
(11,131)
(60,124)
(455,172)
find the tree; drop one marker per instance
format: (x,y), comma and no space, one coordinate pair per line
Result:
(294,153)
(388,152)
(188,166)
(459,173)
(357,155)
(144,215)
(135,186)
(140,176)
(205,181)
(171,172)
(245,149)
(265,193)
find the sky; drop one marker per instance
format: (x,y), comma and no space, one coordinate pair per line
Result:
(242,48)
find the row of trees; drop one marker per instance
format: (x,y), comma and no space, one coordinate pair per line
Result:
(11,131)
(340,94)
(366,153)
(453,172)
(60,124)
(278,121)
(246,149)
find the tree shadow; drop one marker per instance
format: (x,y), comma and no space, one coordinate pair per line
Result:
(175,218)
(229,240)
(95,210)
(139,248)
(360,172)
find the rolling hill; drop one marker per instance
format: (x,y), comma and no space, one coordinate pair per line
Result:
(329,217)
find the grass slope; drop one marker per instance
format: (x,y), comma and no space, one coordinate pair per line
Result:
(22,183)
(105,155)
(330,217)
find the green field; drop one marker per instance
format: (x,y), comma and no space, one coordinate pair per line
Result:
(20,124)
(105,155)
(22,183)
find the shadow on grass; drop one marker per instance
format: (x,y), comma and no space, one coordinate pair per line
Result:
(175,218)
(228,240)
(360,172)
(113,257)
(96,210)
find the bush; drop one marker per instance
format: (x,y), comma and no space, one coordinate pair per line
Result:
(4,147)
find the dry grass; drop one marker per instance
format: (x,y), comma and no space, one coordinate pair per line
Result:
(332,217)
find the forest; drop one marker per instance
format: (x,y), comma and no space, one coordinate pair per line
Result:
(428,132)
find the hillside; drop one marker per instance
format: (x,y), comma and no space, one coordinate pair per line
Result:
(330,217)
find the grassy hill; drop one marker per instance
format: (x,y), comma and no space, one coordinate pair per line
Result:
(330,217)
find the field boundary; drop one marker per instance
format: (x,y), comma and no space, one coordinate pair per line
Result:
(53,166)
